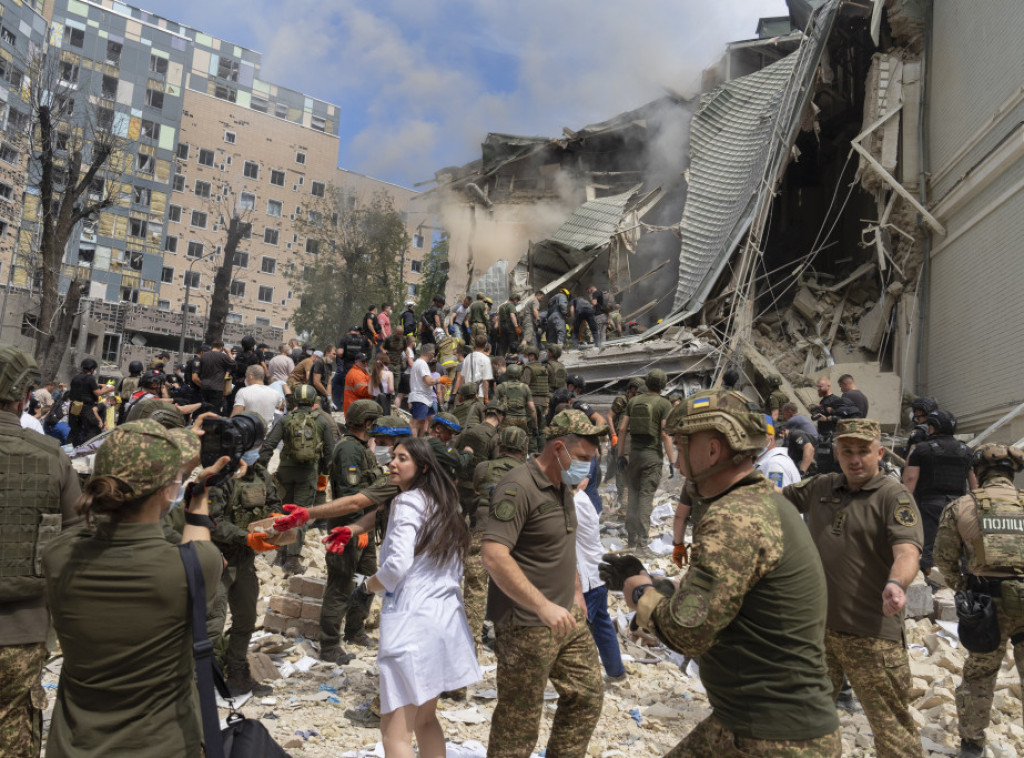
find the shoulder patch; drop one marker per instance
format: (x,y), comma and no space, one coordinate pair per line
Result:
(904,514)
(505,510)
(511,491)
(689,607)
(775,477)
(803,482)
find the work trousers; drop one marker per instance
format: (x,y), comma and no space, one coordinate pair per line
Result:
(581,318)
(239,590)
(22,699)
(83,426)
(642,477)
(602,327)
(879,671)
(297,484)
(931,509)
(556,329)
(603,630)
(337,607)
(474,588)
(528,656)
(711,738)
(214,398)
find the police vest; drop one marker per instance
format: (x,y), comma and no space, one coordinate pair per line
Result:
(539,380)
(30,513)
(945,463)
(558,375)
(514,394)
(993,524)
(352,349)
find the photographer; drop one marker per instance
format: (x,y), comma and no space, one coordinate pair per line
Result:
(119,598)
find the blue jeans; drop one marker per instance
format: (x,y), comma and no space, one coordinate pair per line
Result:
(603,630)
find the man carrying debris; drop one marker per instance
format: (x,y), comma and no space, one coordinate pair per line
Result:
(983,532)
(764,671)
(644,424)
(868,533)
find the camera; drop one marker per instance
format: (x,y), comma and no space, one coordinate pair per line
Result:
(231,437)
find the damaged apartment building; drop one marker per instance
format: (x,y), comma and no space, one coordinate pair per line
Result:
(844,195)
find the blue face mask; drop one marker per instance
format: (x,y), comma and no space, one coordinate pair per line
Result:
(249,457)
(577,471)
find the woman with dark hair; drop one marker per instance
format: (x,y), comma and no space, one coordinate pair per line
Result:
(382,382)
(425,644)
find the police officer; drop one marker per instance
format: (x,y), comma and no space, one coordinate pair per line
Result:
(558,311)
(83,394)
(978,548)
(537,377)
(618,410)
(764,672)
(920,407)
(644,423)
(355,467)
(517,400)
(938,472)
(307,439)
(777,398)
(39,494)
(535,600)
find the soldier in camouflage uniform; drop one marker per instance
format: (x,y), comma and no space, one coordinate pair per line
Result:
(39,493)
(517,399)
(985,528)
(354,467)
(764,672)
(776,399)
(868,532)
(482,442)
(513,445)
(469,409)
(535,600)
(478,317)
(537,377)
(643,424)
(635,387)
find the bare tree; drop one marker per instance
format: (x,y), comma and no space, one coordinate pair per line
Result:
(236,221)
(71,143)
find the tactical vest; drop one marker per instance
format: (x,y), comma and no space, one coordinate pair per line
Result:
(539,385)
(352,349)
(514,394)
(248,499)
(945,463)
(558,375)
(641,420)
(464,410)
(992,523)
(30,513)
(128,385)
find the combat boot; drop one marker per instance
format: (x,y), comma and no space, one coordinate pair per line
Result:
(293,565)
(241,682)
(334,654)
(971,749)
(360,638)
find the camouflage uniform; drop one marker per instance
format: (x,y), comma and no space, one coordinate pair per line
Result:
(618,409)
(645,413)
(482,438)
(764,672)
(536,376)
(961,534)
(478,317)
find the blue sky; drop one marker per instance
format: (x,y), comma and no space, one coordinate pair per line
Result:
(421,82)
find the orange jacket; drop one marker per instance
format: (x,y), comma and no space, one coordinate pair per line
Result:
(357,387)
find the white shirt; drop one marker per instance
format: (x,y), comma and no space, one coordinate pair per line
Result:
(279,367)
(477,368)
(778,467)
(419,392)
(588,542)
(31,422)
(261,400)
(459,314)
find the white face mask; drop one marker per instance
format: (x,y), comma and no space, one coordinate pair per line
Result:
(383,455)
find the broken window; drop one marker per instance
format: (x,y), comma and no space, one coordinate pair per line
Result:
(317,189)
(230,137)
(274,208)
(150,129)
(147,164)
(319,123)
(129,295)
(247,201)
(76,37)
(167,274)
(174,213)
(416,267)
(171,244)
(259,104)
(182,151)
(225,93)
(179,183)
(68,72)
(114,52)
(6,191)
(142,196)
(281,110)
(157,64)
(163,305)
(105,118)
(154,99)
(227,69)
(417,240)
(137,227)
(300,158)
(7,36)
(312,245)
(134,260)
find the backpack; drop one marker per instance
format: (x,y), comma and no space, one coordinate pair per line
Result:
(303,441)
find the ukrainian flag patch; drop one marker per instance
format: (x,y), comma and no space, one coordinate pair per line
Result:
(704,402)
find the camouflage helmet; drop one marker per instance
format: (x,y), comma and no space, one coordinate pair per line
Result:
(774,380)
(168,415)
(992,455)
(391,426)
(638,384)
(554,352)
(675,397)
(446,420)
(724,411)
(362,411)
(514,371)
(144,456)
(305,394)
(18,374)
(571,421)
(495,406)
(515,439)
(468,389)
(656,380)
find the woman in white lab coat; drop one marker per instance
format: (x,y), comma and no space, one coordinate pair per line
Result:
(426,647)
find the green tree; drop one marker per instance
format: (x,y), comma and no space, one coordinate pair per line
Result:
(435,274)
(355,255)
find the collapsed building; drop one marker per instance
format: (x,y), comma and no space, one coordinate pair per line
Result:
(788,219)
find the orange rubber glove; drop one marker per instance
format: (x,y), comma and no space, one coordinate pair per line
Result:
(257,542)
(446,380)
(363,540)
(321,482)
(337,539)
(519,332)
(680,554)
(615,440)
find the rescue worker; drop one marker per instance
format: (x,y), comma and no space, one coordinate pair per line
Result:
(558,312)
(776,399)
(83,394)
(130,383)
(531,319)
(517,400)
(469,409)
(920,407)
(307,438)
(447,360)
(618,410)
(478,317)
(978,548)
(556,369)
(581,309)
(537,377)
(354,467)
(408,318)
(40,490)
(357,382)
(644,424)
(938,472)
(764,671)
(509,331)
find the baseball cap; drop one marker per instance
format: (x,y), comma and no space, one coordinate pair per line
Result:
(571,421)
(859,428)
(362,357)
(145,456)
(318,353)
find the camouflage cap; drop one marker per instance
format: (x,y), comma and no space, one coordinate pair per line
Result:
(859,428)
(305,394)
(448,420)
(571,421)
(168,415)
(468,389)
(391,426)
(362,411)
(144,456)
(18,373)
(515,439)
(724,411)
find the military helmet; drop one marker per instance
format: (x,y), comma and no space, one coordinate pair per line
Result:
(554,352)
(168,415)
(514,438)
(675,397)
(135,368)
(925,404)
(391,426)
(992,455)
(468,389)
(774,380)
(576,381)
(656,380)
(638,384)
(944,422)
(447,420)
(495,406)
(305,394)
(18,374)
(724,411)
(362,411)
(152,378)
(514,371)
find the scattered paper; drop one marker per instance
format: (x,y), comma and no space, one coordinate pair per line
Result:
(465,716)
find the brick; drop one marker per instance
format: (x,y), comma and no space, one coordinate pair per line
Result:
(262,668)
(286,605)
(307,586)
(275,622)
(310,629)
(311,609)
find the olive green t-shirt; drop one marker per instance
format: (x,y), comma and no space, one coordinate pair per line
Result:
(855,533)
(354,467)
(536,520)
(646,413)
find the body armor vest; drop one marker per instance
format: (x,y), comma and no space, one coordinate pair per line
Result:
(30,513)
(539,385)
(945,463)
(464,412)
(641,422)
(992,525)
(514,394)
(353,348)
(558,375)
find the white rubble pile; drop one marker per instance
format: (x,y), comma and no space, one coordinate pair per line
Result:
(319,709)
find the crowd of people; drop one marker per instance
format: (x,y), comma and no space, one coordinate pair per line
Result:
(471,457)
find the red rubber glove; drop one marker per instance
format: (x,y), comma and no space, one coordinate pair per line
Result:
(257,542)
(337,539)
(363,540)
(297,516)
(680,555)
